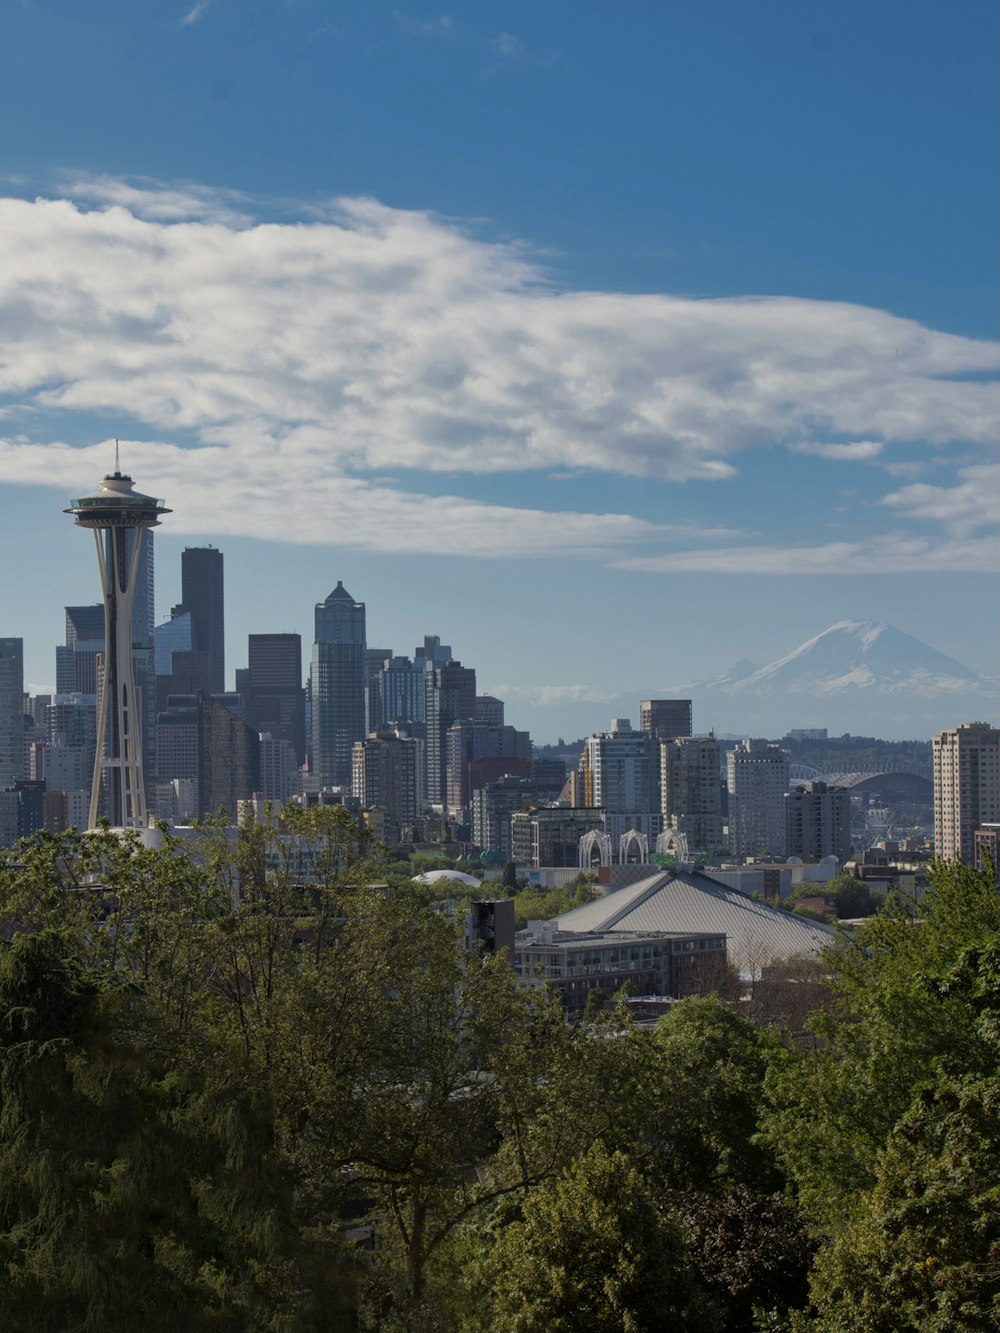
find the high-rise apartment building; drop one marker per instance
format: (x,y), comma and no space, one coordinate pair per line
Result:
(966,788)
(451,697)
(276,697)
(666,719)
(621,776)
(492,807)
(757,776)
(337,686)
(203,598)
(818,822)
(11,710)
(691,782)
(387,777)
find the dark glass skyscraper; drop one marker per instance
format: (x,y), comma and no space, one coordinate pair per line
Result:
(337,686)
(277,699)
(202,595)
(451,697)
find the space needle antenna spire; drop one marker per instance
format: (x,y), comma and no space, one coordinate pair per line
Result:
(117,515)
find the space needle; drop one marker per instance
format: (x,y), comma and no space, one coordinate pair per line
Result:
(118,513)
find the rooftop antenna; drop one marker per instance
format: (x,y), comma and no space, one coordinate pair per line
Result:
(117,464)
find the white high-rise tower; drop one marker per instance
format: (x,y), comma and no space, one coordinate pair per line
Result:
(119,513)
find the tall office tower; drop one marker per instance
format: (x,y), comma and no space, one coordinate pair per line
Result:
(76,660)
(175,635)
(621,776)
(387,778)
(11,710)
(22,810)
(818,822)
(203,597)
(665,718)
(492,806)
(451,697)
(177,758)
(489,709)
(966,788)
(119,513)
(228,757)
(338,686)
(277,701)
(432,653)
(375,659)
(691,781)
(477,753)
(280,778)
(757,780)
(402,688)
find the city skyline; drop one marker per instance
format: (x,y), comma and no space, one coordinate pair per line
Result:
(684,324)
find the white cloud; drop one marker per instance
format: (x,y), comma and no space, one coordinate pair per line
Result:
(857,451)
(882,554)
(547,696)
(194,13)
(963,508)
(307,361)
(278,500)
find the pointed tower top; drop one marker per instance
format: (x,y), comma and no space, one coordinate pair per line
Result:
(118,468)
(340,594)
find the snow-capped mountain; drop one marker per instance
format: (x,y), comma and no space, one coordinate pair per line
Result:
(859,676)
(859,655)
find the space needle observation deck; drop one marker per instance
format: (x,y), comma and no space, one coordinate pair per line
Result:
(117,513)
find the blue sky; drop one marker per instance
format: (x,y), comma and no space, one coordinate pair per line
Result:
(611,342)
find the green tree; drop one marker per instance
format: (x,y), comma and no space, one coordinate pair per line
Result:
(890,1028)
(589,1252)
(709,1071)
(924,1250)
(130,1197)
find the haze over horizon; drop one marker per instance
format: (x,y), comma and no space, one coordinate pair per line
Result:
(612,352)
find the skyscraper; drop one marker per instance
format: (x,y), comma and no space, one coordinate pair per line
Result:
(119,513)
(757,779)
(337,686)
(692,790)
(621,776)
(966,788)
(277,699)
(203,597)
(818,822)
(11,710)
(665,718)
(375,659)
(451,697)
(387,778)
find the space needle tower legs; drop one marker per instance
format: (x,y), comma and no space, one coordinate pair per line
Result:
(117,514)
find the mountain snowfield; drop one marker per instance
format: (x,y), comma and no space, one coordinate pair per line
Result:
(858,655)
(858,676)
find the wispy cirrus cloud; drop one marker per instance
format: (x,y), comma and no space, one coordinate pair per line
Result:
(307,362)
(194,13)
